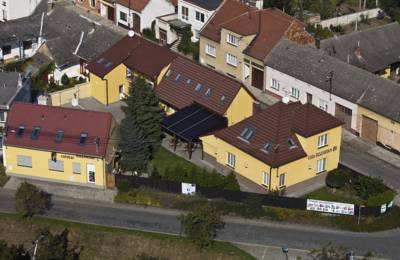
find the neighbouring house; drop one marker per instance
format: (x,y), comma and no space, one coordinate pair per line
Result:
(15,9)
(140,14)
(239,37)
(90,5)
(12,88)
(376,50)
(278,147)
(57,144)
(366,103)
(193,13)
(112,72)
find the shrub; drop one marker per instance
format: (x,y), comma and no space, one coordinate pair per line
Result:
(231,182)
(380,199)
(253,206)
(369,186)
(149,34)
(123,186)
(336,179)
(29,200)
(202,224)
(65,80)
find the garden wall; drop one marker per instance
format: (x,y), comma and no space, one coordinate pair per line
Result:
(65,96)
(349,18)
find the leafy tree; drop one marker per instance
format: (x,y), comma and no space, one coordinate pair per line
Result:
(55,246)
(13,252)
(185,44)
(202,224)
(231,182)
(29,200)
(326,8)
(135,149)
(143,107)
(369,186)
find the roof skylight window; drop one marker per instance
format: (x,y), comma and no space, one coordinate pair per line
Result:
(35,133)
(267,147)
(59,136)
(208,92)
(291,143)
(222,99)
(247,133)
(82,138)
(198,87)
(188,81)
(177,77)
(99,61)
(108,64)
(168,73)
(20,131)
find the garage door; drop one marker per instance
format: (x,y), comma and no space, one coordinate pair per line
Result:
(345,114)
(369,129)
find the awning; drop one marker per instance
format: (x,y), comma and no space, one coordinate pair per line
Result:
(192,122)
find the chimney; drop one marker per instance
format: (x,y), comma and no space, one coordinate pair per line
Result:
(318,43)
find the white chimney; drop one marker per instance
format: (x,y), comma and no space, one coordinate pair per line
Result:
(285,100)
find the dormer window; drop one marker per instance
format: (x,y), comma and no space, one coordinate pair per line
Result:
(232,39)
(20,131)
(198,87)
(267,147)
(247,134)
(35,133)
(82,138)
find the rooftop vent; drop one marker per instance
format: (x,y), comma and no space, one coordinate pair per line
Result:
(222,99)
(291,143)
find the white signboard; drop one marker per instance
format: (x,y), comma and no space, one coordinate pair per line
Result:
(383,208)
(188,188)
(330,207)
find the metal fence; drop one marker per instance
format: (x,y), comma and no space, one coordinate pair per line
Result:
(240,196)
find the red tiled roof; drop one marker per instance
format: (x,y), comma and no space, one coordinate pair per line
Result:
(229,10)
(51,119)
(269,26)
(136,53)
(179,93)
(137,5)
(276,125)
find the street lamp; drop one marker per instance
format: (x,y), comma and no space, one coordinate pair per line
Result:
(350,255)
(285,250)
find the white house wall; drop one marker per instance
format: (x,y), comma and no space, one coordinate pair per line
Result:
(155,8)
(172,36)
(71,72)
(196,25)
(287,82)
(16,9)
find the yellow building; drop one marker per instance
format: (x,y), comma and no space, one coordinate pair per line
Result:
(278,147)
(59,144)
(111,73)
(238,38)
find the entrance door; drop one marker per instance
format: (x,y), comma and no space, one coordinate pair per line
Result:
(309,98)
(369,129)
(111,13)
(136,22)
(163,37)
(257,78)
(91,173)
(345,114)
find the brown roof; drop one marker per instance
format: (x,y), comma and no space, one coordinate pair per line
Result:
(180,92)
(269,26)
(137,5)
(276,125)
(136,53)
(229,10)
(51,119)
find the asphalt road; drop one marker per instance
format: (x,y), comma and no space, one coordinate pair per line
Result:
(384,244)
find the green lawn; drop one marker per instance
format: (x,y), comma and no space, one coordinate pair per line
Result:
(100,242)
(165,159)
(328,194)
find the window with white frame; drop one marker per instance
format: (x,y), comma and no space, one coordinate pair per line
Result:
(231,59)
(57,166)
(322,140)
(295,93)
(76,168)
(123,16)
(24,161)
(92,3)
(232,39)
(185,13)
(282,180)
(321,165)
(199,16)
(323,105)
(1,142)
(266,179)
(231,160)
(2,116)
(211,50)
(275,84)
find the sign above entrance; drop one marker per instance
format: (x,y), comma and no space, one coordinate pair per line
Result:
(330,207)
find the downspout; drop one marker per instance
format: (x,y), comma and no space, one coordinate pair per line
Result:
(270,178)
(106,91)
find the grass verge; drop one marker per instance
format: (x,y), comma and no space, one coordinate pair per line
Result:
(155,198)
(328,194)
(100,242)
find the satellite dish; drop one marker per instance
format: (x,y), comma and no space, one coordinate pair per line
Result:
(131,33)
(74,102)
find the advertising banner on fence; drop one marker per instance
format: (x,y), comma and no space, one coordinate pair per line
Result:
(188,188)
(330,207)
